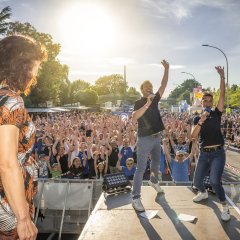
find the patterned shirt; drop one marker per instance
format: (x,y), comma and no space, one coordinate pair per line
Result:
(13,112)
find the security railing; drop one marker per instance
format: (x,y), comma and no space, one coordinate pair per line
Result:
(64,205)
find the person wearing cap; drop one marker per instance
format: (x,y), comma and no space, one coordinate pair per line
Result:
(150,125)
(181,163)
(55,168)
(212,154)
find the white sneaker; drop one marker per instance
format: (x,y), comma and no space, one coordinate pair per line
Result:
(156,186)
(200,196)
(137,205)
(225,216)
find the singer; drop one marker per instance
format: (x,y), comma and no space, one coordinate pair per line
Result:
(150,125)
(212,154)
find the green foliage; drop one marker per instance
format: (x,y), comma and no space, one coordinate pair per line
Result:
(133,91)
(4,17)
(233,94)
(234,97)
(132,95)
(182,92)
(27,29)
(234,87)
(86,97)
(53,76)
(65,92)
(112,84)
(76,86)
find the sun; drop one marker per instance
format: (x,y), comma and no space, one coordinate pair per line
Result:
(87,29)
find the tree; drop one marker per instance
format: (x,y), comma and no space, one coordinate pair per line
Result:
(133,91)
(53,75)
(4,16)
(233,94)
(64,92)
(112,84)
(53,49)
(132,95)
(87,97)
(76,86)
(234,87)
(182,92)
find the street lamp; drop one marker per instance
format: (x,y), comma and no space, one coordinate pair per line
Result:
(191,94)
(190,74)
(206,45)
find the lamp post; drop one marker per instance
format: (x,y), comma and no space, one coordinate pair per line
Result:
(206,45)
(191,94)
(190,74)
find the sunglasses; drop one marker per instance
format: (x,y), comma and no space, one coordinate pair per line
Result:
(129,164)
(180,155)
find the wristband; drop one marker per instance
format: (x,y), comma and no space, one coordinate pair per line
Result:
(199,124)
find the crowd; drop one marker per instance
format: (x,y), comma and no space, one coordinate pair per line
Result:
(89,145)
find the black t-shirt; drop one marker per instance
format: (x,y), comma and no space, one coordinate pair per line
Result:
(151,121)
(76,173)
(88,133)
(113,157)
(210,133)
(64,163)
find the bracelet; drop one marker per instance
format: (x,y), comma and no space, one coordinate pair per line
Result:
(199,124)
(146,106)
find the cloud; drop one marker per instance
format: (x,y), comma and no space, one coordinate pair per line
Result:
(88,73)
(171,66)
(180,9)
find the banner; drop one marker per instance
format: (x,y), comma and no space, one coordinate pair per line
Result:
(197,96)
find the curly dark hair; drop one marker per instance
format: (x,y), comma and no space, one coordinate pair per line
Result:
(17,56)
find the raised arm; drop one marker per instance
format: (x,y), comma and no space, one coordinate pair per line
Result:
(106,164)
(118,165)
(54,147)
(220,104)
(166,151)
(139,113)
(165,77)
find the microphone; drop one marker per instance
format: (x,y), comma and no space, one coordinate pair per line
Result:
(151,95)
(207,109)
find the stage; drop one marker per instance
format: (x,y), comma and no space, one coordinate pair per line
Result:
(113,217)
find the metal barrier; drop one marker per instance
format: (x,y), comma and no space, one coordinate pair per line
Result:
(67,203)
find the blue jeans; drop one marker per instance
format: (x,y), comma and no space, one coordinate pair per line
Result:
(215,161)
(146,145)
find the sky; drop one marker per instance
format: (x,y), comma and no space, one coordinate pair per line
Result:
(99,37)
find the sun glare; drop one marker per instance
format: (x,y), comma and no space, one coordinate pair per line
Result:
(87,29)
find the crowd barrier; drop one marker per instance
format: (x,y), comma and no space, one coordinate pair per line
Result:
(66,203)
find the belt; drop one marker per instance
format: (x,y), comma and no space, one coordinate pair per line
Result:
(212,149)
(155,134)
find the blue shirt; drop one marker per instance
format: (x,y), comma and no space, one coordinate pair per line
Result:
(86,168)
(126,153)
(180,170)
(129,173)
